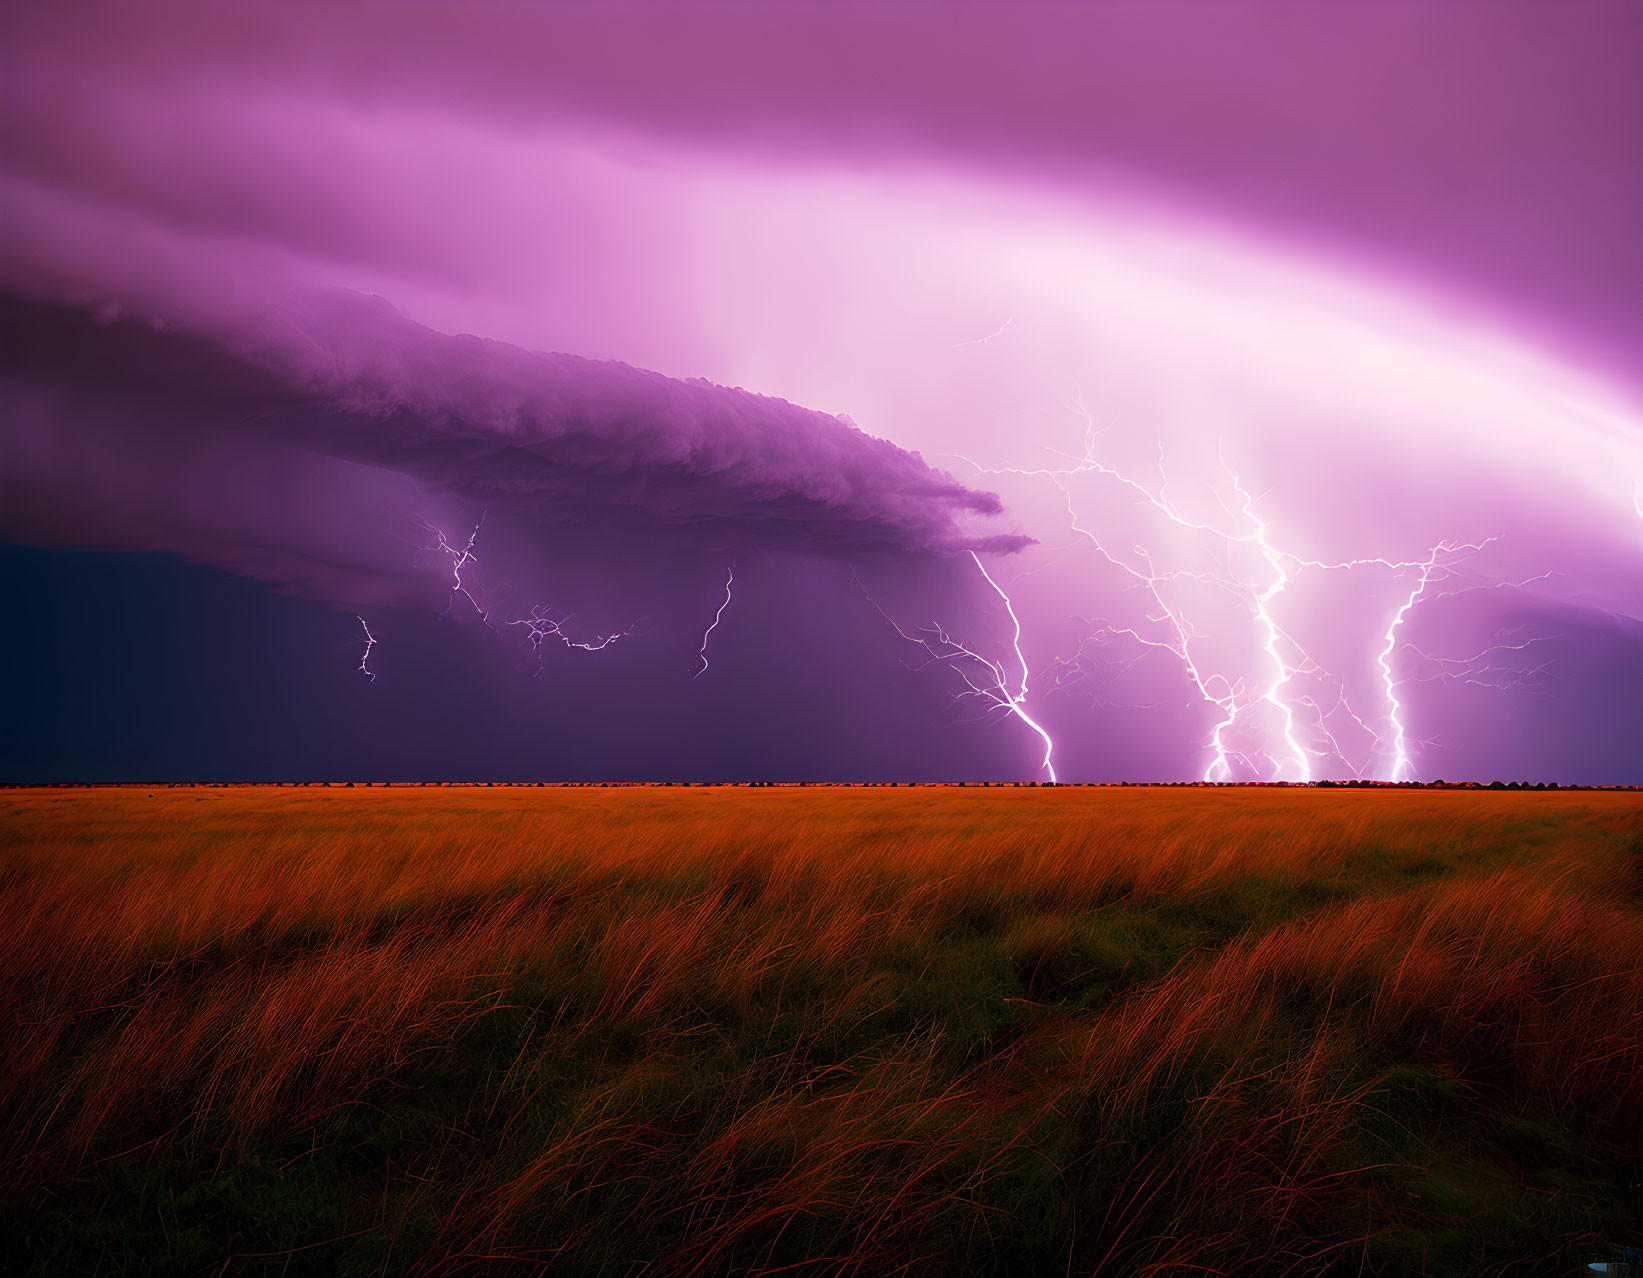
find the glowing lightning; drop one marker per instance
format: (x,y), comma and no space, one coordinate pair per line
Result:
(370,642)
(1014,620)
(993,687)
(542,625)
(459,559)
(1287,659)
(1017,703)
(1153,582)
(1480,669)
(1282,668)
(1400,756)
(730,579)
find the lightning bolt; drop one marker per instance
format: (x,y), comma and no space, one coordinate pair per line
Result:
(1282,671)
(544,622)
(460,559)
(1482,670)
(1014,620)
(542,625)
(1284,658)
(1017,704)
(1179,644)
(981,676)
(1479,669)
(730,580)
(982,341)
(370,642)
(1400,756)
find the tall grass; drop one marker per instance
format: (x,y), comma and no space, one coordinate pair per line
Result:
(711,1030)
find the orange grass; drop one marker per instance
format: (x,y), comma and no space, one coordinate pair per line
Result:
(707,1030)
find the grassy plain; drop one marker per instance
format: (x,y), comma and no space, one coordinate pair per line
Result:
(693,1031)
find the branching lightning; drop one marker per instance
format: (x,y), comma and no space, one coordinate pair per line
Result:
(982,677)
(543,625)
(1486,668)
(370,642)
(460,559)
(730,580)
(1282,670)
(1286,756)
(1400,755)
(1260,712)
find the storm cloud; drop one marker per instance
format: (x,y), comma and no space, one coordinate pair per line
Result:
(557,437)
(1287,385)
(232,374)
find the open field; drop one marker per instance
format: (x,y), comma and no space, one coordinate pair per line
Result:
(716,1030)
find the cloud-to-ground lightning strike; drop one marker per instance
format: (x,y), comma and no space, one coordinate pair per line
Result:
(1400,755)
(1234,698)
(730,580)
(993,687)
(370,642)
(1014,621)
(1017,704)
(1283,672)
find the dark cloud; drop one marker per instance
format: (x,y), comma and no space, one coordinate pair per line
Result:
(200,205)
(555,438)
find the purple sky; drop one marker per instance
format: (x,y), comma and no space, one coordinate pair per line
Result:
(1280,361)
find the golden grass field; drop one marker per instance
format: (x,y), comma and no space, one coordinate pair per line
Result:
(711,1030)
